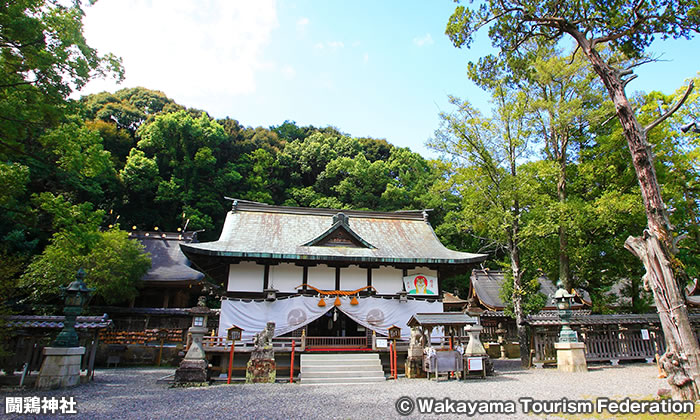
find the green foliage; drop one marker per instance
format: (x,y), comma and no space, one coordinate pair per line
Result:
(532,299)
(114,264)
(629,26)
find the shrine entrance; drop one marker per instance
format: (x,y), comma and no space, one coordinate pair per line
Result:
(334,330)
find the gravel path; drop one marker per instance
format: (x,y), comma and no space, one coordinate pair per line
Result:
(133,394)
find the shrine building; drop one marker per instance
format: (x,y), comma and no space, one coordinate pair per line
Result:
(339,275)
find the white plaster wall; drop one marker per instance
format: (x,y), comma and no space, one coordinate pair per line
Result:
(322,277)
(423,270)
(246,276)
(286,276)
(353,277)
(387,280)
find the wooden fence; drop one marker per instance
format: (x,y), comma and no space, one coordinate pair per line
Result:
(602,343)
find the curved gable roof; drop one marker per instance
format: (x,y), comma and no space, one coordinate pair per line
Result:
(254,230)
(168,264)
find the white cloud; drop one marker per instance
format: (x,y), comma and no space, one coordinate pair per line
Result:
(301,23)
(421,41)
(365,58)
(331,45)
(288,72)
(181,47)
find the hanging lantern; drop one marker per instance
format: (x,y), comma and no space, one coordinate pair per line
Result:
(321,303)
(353,301)
(337,301)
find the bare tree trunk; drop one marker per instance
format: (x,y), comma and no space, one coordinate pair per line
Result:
(680,361)
(523,339)
(564,271)
(682,358)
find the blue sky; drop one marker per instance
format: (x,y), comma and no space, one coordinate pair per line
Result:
(381,69)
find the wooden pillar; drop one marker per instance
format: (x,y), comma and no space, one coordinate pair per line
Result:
(337,278)
(266,277)
(305,279)
(369,276)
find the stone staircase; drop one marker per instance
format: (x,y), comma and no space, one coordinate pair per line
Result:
(340,368)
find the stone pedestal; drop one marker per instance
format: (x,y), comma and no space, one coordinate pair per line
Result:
(192,371)
(476,349)
(414,367)
(571,357)
(194,367)
(261,371)
(61,367)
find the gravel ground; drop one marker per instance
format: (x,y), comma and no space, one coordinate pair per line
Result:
(132,393)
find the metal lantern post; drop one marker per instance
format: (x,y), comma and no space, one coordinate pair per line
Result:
(563,300)
(571,355)
(76,296)
(234,334)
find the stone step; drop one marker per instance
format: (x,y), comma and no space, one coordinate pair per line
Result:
(340,356)
(335,367)
(340,368)
(346,363)
(342,374)
(340,381)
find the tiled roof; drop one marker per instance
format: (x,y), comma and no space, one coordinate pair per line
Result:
(254,230)
(486,284)
(168,264)
(448,297)
(445,318)
(45,321)
(547,313)
(552,318)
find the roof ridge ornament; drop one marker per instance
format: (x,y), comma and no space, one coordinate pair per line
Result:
(340,234)
(342,218)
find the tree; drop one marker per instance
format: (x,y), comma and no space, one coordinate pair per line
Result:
(114,263)
(485,154)
(628,27)
(44,56)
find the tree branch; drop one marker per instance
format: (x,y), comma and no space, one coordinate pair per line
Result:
(673,109)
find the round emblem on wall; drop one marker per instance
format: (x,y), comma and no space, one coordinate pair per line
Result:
(296,316)
(375,317)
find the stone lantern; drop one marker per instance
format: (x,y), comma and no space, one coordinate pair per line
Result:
(61,365)
(194,367)
(570,352)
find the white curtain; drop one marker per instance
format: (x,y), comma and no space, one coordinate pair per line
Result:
(289,314)
(379,314)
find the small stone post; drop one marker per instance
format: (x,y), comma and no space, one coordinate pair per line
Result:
(414,359)
(261,367)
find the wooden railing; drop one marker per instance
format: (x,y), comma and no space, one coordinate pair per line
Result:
(336,342)
(280,344)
